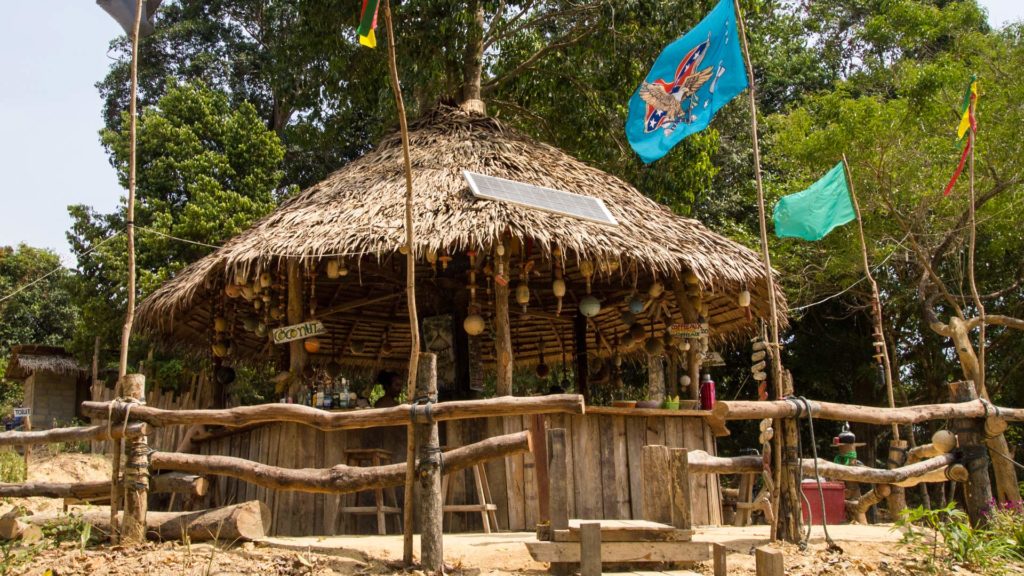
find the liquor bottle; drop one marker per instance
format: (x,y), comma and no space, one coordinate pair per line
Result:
(345,394)
(317,400)
(328,397)
(336,395)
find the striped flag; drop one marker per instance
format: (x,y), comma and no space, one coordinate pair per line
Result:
(367,23)
(968,123)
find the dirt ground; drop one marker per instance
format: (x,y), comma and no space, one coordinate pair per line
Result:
(867,550)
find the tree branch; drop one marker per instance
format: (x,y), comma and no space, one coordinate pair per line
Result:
(997,320)
(547,17)
(526,64)
(943,246)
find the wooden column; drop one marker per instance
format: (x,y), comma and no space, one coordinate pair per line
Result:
(502,331)
(690,315)
(296,314)
(431,499)
(655,378)
(971,437)
(769,562)
(136,470)
(539,447)
(590,549)
(579,337)
(679,477)
(558,504)
(656,462)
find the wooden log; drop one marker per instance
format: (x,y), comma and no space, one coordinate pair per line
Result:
(567,552)
(679,478)
(590,549)
(431,499)
(896,500)
(341,478)
(700,462)
(539,448)
(769,562)
(324,420)
(859,511)
(176,483)
(179,483)
(296,314)
(136,471)
(943,442)
(240,522)
(558,491)
(954,472)
(971,438)
(502,327)
(657,491)
(720,559)
(72,434)
(756,410)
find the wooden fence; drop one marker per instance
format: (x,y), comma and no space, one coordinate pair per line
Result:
(606,476)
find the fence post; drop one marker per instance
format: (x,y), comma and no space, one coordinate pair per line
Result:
(971,438)
(136,470)
(429,468)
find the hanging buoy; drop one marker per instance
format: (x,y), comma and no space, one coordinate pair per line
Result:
(474,325)
(590,306)
(636,305)
(744,298)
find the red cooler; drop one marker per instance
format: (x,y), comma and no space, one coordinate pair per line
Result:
(835,502)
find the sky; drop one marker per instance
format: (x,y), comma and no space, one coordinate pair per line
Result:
(50,156)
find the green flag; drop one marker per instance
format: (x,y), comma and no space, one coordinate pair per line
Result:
(813,213)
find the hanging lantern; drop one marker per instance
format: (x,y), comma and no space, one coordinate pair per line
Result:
(523,295)
(332,269)
(266,280)
(224,375)
(474,325)
(637,332)
(636,305)
(312,345)
(220,324)
(656,289)
(232,290)
(744,298)
(590,306)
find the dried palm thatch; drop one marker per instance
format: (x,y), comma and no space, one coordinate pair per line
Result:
(357,213)
(30,358)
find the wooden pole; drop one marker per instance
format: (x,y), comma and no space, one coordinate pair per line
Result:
(558,492)
(782,500)
(971,437)
(979,378)
(296,314)
(755,410)
(410,283)
(590,549)
(431,500)
(502,329)
(136,473)
(129,316)
(897,448)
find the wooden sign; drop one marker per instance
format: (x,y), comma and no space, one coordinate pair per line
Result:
(22,412)
(688,331)
(298,331)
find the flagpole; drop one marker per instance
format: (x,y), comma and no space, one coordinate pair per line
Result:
(774,348)
(876,302)
(410,288)
(980,376)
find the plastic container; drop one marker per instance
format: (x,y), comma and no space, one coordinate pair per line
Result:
(835,503)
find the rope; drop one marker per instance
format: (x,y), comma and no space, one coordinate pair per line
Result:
(832,546)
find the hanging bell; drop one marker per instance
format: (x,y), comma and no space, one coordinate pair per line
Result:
(523,295)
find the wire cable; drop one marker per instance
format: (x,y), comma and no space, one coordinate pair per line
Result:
(24,287)
(817,477)
(851,286)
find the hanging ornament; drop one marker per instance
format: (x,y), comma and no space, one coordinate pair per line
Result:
(690,278)
(312,345)
(385,346)
(277,312)
(474,325)
(220,324)
(233,290)
(266,280)
(744,298)
(445,260)
(656,290)
(636,305)
(403,249)
(356,346)
(587,270)
(627,341)
(523,295)
(247,292)
(654,346)
(332,269)
(558,287)
(257,304)
(432,260)
(628,318)
(249,323)
(590,306)
(333,369)
(261,329)
(542,369)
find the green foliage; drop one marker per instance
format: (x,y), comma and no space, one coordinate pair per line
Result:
(206,171)
(71,527)
(12,467)
(13,555)
(944,537)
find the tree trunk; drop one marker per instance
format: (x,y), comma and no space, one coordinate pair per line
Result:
(503,333)
(431,500)
(136,471)
(296,314)
(970,434)
(472,71)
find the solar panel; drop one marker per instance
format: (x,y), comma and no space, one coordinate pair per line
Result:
(547,199)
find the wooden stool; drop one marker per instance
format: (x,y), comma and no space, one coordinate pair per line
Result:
(372,457)
(485,506)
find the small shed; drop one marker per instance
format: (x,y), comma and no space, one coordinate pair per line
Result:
(54,383)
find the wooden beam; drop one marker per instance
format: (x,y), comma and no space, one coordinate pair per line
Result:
(558,485)
(339,479)
(74,434)
(756,410)
(324,420)
(356,304)
(560,552)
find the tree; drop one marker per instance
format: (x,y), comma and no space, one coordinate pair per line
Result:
(207,171)
(36,306)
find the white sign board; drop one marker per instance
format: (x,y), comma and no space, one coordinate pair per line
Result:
(22,412)
(298,331)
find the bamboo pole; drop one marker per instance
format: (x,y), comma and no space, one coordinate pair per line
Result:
(725,410)
(410,285)
(782,484)
(129,316)
(979,378)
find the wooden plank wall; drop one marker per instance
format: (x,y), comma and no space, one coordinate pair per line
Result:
(605,473)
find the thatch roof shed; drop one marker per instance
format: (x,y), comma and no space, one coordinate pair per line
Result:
(27,359)
(355,217)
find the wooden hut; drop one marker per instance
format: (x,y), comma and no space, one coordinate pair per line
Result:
(53,382)
(522,281)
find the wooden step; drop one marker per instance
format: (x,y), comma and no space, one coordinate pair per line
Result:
(623,551)
(626,531)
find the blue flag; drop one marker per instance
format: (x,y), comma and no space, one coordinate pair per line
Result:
(690,81)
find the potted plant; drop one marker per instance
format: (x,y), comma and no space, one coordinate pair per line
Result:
(649,404)
(671,403)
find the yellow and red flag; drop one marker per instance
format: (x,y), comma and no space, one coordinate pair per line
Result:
(367,23)
(968,123)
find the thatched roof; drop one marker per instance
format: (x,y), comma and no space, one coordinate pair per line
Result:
(358,212)
(29,358)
